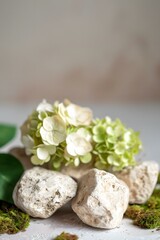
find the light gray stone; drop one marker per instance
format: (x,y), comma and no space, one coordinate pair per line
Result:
(141,180)
(40,192)
(101,199)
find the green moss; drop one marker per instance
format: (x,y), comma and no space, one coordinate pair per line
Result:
(66,236)
(146,215)
(148,219)
(153,203)
(133,211)
(12,220)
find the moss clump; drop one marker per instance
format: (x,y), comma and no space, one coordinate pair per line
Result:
(149,219)
(66,236)
(133,211)
(12,220)
(146,215)
(154,201)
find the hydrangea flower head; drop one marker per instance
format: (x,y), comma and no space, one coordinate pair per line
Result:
(66,134)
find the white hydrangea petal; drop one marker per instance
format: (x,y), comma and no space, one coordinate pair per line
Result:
(58,124)
(62,112)
(108,119)
(42,153)
(44,106)
(74,114)
(71,137)
(47,137)
(81,132)
(43,133)
(59,137)
(127,136)
(51,149)
(47,159)
(77,145)
(85,116)
(76,161)
(51,139)
(48,123)
(71,110)
(53,130)
(83,147)
(71,150)
(110,131)
(47,143)
(85,134)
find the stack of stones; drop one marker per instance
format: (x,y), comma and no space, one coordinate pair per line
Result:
(99,198)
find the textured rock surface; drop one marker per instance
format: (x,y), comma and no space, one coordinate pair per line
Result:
(141,180)
(101,199)
(41,192)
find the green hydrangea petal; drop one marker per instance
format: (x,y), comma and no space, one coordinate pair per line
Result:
(86,159)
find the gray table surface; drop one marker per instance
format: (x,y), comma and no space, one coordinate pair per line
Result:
(144,118)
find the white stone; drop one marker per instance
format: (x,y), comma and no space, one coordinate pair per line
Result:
(40,192)
(101,199)
(141,180)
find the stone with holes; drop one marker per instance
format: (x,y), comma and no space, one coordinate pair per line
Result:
(40,192)
(101,199)
(141,180)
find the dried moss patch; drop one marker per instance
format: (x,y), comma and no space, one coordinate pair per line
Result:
(12,220)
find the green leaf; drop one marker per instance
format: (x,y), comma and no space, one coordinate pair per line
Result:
(10,172)
(7,133)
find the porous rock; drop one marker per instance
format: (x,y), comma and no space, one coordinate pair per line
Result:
(40,192)
(101,199)
(141,180)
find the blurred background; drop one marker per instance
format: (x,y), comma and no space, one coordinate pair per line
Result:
(87,51)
